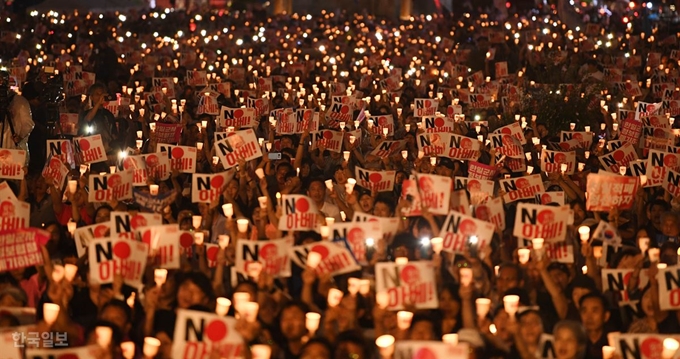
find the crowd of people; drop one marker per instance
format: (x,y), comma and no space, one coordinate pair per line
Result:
(224,184)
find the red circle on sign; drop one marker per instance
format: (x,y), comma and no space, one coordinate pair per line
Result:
(328,135)
(55,164)
(482,212)
(439,122)
(84,144)
(238,113)
(428,103)
(382,121)
(217,182)
(177,152)
(425,353)
(474,186)
(302,205)
(545,198)
(564,145)
(670,161)
(546,217)
(146,237)
(480,98)
(121,250)
(186,240)
(578,137)
(100,231)
(467,227)
(216,330)
(64,146)
(129,163)
(114,180)
(618,155)
(522,183)
(560,158)
(344,109)
(506,131)
(410,274)
(138,221)
(375,177)
(269,252)
(152,160)
(651,348)
(355,236)
(659,133)
(466,143)
(212,253)
(321,250)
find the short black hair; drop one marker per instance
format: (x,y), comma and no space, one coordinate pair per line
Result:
(355,337)
(597,296)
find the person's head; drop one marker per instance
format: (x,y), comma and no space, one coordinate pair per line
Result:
(670,225)
(483,43)
(339,175)
(669,253)
(13,297)
(542,129)
(579,211)
(365,201)
(449,301)
(569,340)
(646,304)
(282,171)
(351,344)
(287,142)
(97,92)
(559,273)
(594,311)
(232,188)
(103,214)
(655,210)
(317,190)
(194,288)
(292,321)
(317,348)
(118,313)
(530,326)
(509,276)
(424,327)
(383,207)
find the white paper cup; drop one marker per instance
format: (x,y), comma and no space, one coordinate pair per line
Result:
(537,243)
(584,233)
(72,186)
(312,321)
(240,298)
(608,352)
(198,238)
(364,286)
(465,276)
(70,271)
(437,244)
(382,299)
(400,261)
(325,232)
(653,254)
(385,344)
(330,221)
(50,312)
(670,347)
(259,172)
(103,336)
(242,225)
(153,189)
(313,259)
(151,346)
(483,305)
(263,201)
(329,184)
(159,276)
(58,273)
(222,307)
(128,349)
(334,297)
(261,351)
(228,210)
(450,339)
(404,319)
(197,221)
(199,145)
(523,254)
(511,304)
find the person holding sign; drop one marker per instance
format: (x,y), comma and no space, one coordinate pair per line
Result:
(97,120)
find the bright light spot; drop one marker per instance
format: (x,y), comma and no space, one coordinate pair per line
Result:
(378,36)
(122,17)
(322,48)
(254,37)
(128,34)
(198,17)
(239,42)
(203,32)
(473,240)
(122,154)
(370,242)
(424,241)
(428,17)
(88,129)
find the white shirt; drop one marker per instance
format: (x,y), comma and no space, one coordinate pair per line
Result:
(22,120)
(331,210)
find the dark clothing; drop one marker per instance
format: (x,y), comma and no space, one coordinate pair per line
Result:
(101,124)
(594,350)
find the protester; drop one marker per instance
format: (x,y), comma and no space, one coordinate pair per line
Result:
(334,185)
